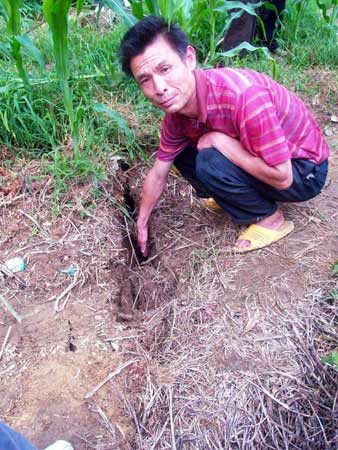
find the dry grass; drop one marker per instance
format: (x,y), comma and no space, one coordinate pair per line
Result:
(233,360)
(230,358)
(220,376)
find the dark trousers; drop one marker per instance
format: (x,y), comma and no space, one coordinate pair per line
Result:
(243,197)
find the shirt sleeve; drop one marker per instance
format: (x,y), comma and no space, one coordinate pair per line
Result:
(260,130)
(172,140)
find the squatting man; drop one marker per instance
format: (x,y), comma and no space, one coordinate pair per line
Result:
(242,140)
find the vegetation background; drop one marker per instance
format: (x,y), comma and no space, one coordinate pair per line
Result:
(60,84)
(215,349)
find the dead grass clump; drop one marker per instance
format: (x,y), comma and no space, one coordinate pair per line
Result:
(245,376)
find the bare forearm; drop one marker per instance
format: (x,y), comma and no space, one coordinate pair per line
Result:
(259,169)
(152,190)
(151,193)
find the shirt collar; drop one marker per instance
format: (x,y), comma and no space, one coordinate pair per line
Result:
(201,94)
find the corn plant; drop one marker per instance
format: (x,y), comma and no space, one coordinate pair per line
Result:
(329,9)
(301,7)
(12,17)
(227,10)
(11,9)
(56,15)
(191,16)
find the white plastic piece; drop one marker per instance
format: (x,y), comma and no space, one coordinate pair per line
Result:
(60,445)
(16,264)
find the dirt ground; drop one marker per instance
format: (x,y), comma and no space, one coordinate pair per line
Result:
(173,338)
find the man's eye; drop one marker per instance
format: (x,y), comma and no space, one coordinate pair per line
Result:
(144,80)
(165,69)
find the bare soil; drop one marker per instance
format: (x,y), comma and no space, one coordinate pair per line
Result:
(214,342)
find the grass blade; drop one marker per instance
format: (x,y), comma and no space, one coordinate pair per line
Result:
(120,121)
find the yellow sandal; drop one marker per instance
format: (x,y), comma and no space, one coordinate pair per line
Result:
(261,237)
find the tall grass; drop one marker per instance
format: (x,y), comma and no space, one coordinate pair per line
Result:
(37,122)
(41,119)
(309,38)
(205,21)
(12,16)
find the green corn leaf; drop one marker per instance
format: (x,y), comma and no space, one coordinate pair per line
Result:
(101,108)
(56,12)
(250,48)
(12,10)
(182,10)
(118,7)
(16,53)
(166,8)
(28,44)
(153,7)
(79,6)
(271,7)
(249,8)
(186,7)
(232,17)
(137,8)
(245,46)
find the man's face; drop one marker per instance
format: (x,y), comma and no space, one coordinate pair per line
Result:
(166,79)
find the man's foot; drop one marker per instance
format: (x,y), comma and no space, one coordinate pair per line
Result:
(210,203)
(264,233)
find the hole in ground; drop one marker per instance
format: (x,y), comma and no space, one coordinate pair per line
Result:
(142,287)
(71,347)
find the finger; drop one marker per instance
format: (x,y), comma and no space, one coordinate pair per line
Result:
(142,243)
(144,249)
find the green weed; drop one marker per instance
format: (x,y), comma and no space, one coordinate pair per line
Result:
(331,359)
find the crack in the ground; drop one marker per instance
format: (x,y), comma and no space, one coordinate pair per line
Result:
(70,346)
(145,283)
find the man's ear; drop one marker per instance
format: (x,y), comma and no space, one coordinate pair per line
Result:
(190,57)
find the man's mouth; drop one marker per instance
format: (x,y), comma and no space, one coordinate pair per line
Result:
(167,102)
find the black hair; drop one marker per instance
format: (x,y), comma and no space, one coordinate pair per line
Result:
(144,33)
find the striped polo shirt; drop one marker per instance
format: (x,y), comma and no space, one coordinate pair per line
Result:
(270,122)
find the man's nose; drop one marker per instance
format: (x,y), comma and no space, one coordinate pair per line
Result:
(160,85)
